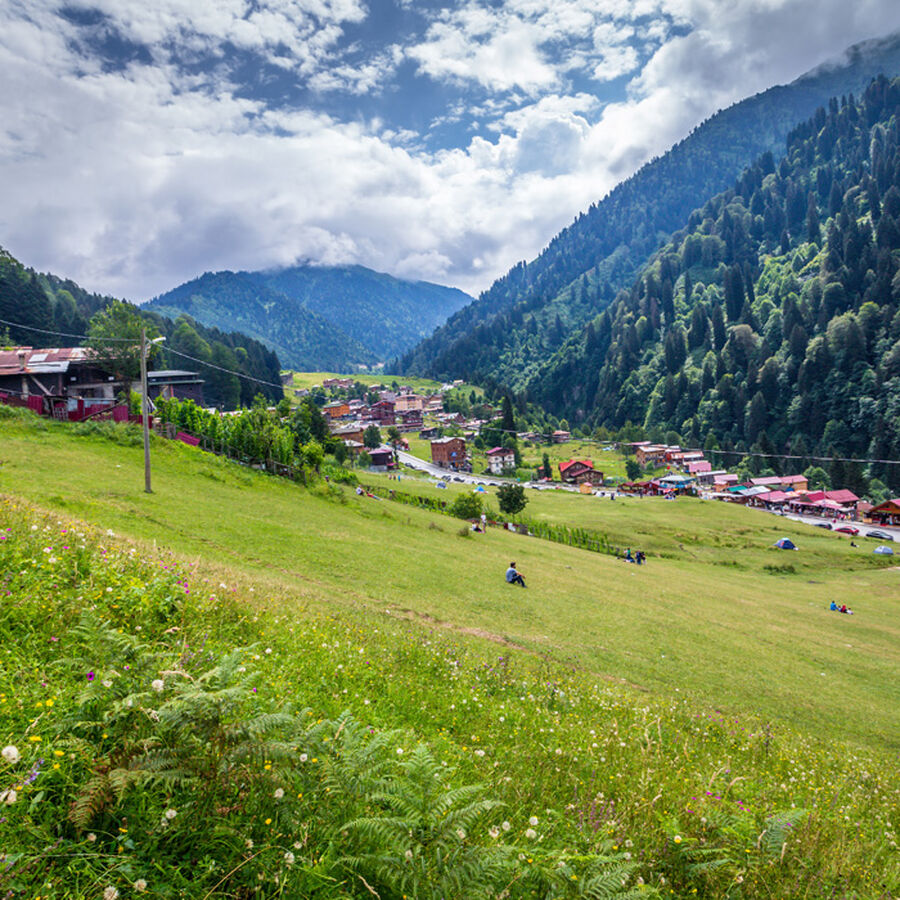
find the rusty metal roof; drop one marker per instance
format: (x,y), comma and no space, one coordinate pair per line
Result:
(28,361)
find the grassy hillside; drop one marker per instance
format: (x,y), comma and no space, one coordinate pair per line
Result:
(669,727)
(710,619)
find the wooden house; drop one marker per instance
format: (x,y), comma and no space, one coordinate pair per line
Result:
(449,453)
(579,471)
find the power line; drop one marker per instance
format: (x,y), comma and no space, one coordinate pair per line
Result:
(84,337)
(221,369)
(741,453)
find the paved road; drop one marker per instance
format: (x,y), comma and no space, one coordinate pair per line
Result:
(415,463)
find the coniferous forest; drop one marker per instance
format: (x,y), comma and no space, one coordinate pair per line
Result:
(772,320)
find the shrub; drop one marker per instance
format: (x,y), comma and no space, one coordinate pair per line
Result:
(465,506)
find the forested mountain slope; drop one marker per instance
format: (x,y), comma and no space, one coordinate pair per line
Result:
(53,304)
(773,320)
(237,300)
(509,331)
(318,317)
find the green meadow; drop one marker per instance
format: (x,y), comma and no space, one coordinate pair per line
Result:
(311,379)
(690,707)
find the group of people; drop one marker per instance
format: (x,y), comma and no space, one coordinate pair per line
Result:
(638,556)
(842,609)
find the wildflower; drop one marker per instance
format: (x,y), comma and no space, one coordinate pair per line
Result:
(157,684)
(531,834)
(408,854)
(110,893)
(303,757)
(248,844)
(11,753)
(677,838)
(91,837)
(279,793)
(170,813)
(106,683)
(289,858)
(494,832)
(460,834)
(399,751)
(140,885)
(9,797)
(268,821)
(90,676)
(533,820)
(505,826)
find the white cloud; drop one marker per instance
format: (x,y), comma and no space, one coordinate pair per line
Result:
(133,180)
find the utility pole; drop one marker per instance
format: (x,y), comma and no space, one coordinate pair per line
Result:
(145,406)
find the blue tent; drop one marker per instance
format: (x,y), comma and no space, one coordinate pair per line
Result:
(785,544)
(884,551)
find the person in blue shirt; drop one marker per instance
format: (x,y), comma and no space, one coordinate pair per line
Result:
(834,607)
(513,577)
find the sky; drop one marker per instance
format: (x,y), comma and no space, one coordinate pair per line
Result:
(144,142)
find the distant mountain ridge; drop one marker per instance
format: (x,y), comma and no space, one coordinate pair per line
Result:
(317,317)
(525,316)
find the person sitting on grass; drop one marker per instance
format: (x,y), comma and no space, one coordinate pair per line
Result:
(513,577)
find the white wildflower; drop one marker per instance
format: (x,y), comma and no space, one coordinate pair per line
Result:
(140,885)
(289,858)
(494,832)
(303,757)
(9,797)
(531,834)
(106,683)
(170,813)
(279,793)
(479,752)
(91,838)
(11,753)
(408,854)
(158,684)
(460,834)
(268,650)
(533,820)
(110,893)
(505,826)
(248,844)
(399,751)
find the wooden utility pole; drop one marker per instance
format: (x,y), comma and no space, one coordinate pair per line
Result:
(145,411)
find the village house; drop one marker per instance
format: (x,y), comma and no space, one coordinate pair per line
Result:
(340,383)
(383,412)
(783,482)
(697,467)
(427,434)
(382,458)
(449,453)
(561,437)
(887,513)
(580,471)
(336,409)
(708,478)
(674,453)
(406,402)
(173,383)
(352,432)
(650,454)
(500,460)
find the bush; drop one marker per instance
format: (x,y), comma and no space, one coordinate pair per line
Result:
(465,506)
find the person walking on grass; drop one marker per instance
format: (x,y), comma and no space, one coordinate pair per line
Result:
(513,577)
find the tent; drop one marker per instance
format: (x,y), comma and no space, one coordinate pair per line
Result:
(883,550)
(785,544)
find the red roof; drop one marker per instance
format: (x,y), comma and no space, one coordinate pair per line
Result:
(564,466)
(842,496)
(500,451)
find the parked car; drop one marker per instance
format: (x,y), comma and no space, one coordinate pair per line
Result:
(823,525)
(847,529)
(880,535)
